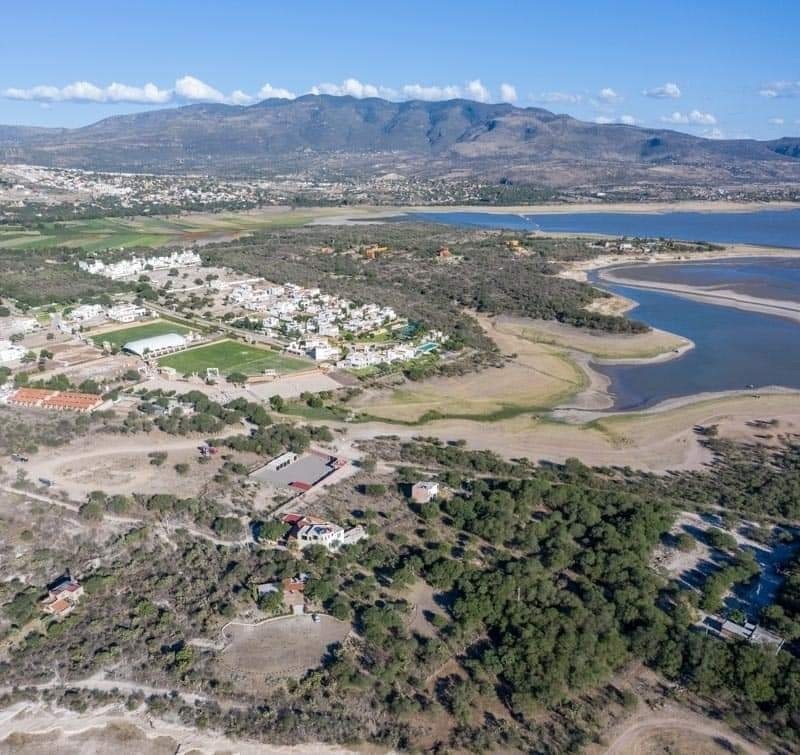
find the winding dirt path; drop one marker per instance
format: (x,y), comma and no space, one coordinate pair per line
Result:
(642,729)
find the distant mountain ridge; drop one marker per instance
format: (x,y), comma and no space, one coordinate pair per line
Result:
(452,138)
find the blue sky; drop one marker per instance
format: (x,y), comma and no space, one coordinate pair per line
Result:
(711,68)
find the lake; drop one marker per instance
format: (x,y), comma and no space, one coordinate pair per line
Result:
(733,348)
(760,277)
(767,227)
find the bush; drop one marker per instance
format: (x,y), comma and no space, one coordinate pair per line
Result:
(91,511)
(270,530)
(227,526)
(374,489)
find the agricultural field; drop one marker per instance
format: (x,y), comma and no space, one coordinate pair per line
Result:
(123,335)
(142,231)
(231,356)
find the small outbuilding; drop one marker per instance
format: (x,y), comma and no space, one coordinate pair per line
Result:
(424,491)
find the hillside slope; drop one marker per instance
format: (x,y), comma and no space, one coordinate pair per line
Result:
(348,135)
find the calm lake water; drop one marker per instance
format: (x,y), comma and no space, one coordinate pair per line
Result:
(776,278)
(733,348)
(767,227)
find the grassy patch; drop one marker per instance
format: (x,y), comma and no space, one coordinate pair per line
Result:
(231,356)
(302,409)
(112,233)
(148,330)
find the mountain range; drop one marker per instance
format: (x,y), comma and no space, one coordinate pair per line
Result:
(334,136)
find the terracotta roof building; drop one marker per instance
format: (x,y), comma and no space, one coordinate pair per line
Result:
(58,400)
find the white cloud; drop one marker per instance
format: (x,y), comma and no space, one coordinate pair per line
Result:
(608,95)
(350,87)
(430,93)
(474,90)
(675,117)
(477,91)
(781,89)
(705,118)
(668,91)
(695,117)
(776,121)
(149,93)
(268,91)
(557,98)
(85,91)
(626,120)
(508,92)
(190,88)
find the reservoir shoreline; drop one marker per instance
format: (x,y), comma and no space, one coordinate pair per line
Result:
(722,297)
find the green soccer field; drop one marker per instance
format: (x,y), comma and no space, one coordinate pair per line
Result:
(232,356)
(135,332)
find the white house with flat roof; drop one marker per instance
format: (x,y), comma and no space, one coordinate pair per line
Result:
(127,313)
(327,534)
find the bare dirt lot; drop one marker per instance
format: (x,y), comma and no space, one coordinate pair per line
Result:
(677,732)
(654,441)
(257,655)
(121,465)
(422,598)
(658,724)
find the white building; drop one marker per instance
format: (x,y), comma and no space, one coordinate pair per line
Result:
(156,346)
(329,535)
(424,491)
(127,313)
(85,312)
(137,265)
(323,353)
(284,460)
(11,352)
(19,325)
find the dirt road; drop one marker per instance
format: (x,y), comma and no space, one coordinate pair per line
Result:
(688,729)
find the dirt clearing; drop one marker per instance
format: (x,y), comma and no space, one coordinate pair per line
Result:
(258,655)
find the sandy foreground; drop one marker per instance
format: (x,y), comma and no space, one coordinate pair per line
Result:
(33,728)
(655,441)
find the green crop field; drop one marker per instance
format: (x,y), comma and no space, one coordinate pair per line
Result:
(123,335)
(114,233)
(231,356)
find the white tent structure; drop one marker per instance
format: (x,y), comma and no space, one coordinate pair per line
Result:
(156,346)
